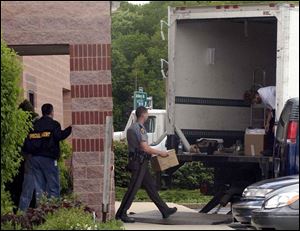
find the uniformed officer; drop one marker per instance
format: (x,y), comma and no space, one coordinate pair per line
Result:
(139,155)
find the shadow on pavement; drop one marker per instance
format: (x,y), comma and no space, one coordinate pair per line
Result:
(183,218)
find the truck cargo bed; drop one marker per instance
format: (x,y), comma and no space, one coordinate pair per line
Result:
(265,163)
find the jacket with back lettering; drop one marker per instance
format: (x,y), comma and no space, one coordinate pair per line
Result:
(44,138)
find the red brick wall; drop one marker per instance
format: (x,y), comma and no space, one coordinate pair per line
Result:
(90,57)
(91,93)
(67,107)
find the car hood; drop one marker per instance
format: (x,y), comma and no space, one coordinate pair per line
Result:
(276,183)
(286,189)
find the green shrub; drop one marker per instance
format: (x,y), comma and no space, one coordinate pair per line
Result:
(191,175)
(75,219)
(122,176)
(64,170)
(6,202)
(111,225)
(10,226)
(15,123)
(36,216)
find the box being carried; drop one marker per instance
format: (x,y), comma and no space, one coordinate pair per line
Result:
(254,141)
(162,163)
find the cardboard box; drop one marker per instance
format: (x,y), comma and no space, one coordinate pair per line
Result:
(254,142)
(162,163)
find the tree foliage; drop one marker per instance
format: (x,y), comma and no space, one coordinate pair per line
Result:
(137,48)
(64,169)
(15,123)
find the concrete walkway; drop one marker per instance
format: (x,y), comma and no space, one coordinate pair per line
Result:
(148,217)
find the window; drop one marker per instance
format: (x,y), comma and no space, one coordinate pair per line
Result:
(150,124)
(31,98)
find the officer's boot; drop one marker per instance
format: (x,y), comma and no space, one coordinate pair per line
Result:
(169,212)
(123,217)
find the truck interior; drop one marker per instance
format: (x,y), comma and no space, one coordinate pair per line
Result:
(222,59)
(216,61)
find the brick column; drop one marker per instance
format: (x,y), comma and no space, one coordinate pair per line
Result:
(91,93)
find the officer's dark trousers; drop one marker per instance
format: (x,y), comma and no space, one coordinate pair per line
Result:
(141,177)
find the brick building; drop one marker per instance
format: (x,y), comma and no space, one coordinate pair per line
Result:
(46,79)
(42,31)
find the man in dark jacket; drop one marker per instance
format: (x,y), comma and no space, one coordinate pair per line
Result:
(22,186)
(27,196)
(43,143)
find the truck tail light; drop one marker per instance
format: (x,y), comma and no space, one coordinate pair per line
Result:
(292,131)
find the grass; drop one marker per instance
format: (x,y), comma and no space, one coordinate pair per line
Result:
(179,196)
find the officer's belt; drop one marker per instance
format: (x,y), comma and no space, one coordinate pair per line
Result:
(139,156)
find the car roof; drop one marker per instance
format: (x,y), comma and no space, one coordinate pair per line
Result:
(294,100)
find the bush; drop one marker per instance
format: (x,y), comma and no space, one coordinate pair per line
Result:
(55,214)
(122,176)
(64,170)
(6,202)
(67,219)
(75,219)
(15,123)
(10,226)
(191,175)
(14,187)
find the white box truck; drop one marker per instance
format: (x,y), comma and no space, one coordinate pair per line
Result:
(215,54)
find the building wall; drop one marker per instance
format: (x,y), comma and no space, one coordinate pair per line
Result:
(47,77)
(85,26)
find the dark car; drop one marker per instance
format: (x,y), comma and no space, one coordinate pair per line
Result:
(254,196)
(286,156)
(280,210)
(286,162)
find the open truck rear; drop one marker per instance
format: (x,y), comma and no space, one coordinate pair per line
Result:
(215,54)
